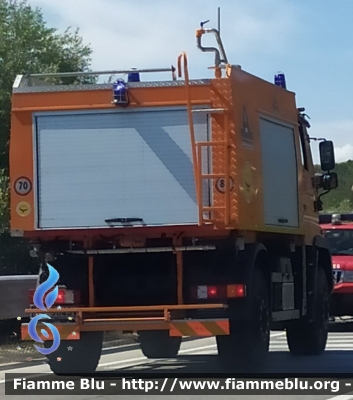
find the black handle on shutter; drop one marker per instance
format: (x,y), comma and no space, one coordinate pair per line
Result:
(123,220)
(282,220)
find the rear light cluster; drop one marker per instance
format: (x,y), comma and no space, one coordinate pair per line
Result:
(65,296)
(218,292)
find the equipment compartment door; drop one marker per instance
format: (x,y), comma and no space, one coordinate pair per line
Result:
(279,172)
(95,166)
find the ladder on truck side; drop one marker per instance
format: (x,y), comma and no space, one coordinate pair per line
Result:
(197,147)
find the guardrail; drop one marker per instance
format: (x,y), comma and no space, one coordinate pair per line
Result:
(14,291)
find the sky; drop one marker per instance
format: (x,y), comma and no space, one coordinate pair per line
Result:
(310,41)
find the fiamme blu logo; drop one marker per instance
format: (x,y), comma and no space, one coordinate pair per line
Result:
(50,299)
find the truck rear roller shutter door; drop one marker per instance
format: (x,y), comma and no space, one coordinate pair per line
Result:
(122,164)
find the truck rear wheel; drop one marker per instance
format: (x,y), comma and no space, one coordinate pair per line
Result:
(246,348)
(82,358)
(158,344)
(309,338)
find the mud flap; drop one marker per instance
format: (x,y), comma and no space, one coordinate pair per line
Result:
(239,309)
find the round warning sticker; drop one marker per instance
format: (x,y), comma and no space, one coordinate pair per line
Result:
(23,186)
(23,209)
(221,185)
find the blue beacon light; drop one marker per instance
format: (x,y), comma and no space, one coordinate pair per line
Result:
(121,96)
(280,80)
(133,76)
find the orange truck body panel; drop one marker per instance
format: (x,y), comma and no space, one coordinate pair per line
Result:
(22,146)
(241,94)
(67,332)
(243,99)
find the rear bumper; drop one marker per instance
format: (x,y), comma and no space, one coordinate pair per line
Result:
(66,331)
(132,319)
(343,288)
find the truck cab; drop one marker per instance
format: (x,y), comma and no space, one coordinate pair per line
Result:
(338,229)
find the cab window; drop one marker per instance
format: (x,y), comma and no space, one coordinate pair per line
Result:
(303,148)
(341,241)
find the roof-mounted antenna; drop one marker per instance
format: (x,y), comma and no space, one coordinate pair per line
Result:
(220,55)
(219,20)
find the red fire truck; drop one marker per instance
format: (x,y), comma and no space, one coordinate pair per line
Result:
(338,229)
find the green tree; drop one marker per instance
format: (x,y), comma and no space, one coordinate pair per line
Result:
(344,207)
(28,45)
(340,199)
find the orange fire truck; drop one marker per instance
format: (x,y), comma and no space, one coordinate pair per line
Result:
(338,230)
(174,208)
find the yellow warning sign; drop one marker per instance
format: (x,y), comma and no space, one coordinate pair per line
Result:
(248,182)
(23,209)
(246,133)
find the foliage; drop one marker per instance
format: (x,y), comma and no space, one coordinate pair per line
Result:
(14,256)
(29,46)
(341,198)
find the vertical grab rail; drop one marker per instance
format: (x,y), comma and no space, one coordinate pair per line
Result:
(197,152)
(197,172)
(199,189)
(226,170)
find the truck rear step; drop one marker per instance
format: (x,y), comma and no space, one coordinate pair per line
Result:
(160,320)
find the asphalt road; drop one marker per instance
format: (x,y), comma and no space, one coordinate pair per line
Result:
(201,356)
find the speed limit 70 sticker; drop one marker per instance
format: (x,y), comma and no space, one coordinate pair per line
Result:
(23,186)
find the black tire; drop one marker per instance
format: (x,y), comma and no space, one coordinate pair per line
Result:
(158,344)
(309,338)
(83,358)
(247,346)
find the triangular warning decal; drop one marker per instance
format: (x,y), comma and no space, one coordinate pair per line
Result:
(246,134)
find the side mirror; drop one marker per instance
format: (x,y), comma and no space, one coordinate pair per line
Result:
(327,155)
(330,181)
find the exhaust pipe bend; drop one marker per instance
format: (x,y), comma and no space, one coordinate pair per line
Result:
(209,49)
(218,59)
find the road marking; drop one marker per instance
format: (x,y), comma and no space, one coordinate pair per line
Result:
(37,376)
(328,346)
(342,397)
(133,362)
(278,334)
(279,339)
(119,347)
(145,358)
(9,364)
(192,350)
(131,345)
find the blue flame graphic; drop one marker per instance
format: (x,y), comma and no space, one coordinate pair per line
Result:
(33,334)
(49,301)
(44,287)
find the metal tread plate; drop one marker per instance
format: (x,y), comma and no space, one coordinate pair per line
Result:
(103,86)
